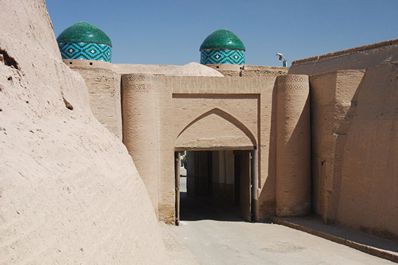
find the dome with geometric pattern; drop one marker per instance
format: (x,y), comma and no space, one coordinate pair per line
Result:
(222,47)
(85,42)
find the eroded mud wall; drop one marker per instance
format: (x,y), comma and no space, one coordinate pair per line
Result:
(355,148)
(354,136)
(104,95)
(69,191)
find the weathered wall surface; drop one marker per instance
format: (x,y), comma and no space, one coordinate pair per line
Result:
(190,69)
(331,97)
(256,70)
(104,96)
(204,108)
(144,106)
(69,191)
(354,139)
(356,58)
(218,121)
(104,84)
(369,169)
(249,70)
(354,148)
(244,103)
(141,123)
(200,113)
(293,146)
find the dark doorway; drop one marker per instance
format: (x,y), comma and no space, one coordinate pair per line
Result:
(214,185)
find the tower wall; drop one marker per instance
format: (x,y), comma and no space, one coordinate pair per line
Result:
(141,128)
(293,174)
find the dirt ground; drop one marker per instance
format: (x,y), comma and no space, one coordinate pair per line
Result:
(212,242)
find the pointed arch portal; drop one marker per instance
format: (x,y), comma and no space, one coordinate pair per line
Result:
(221,166)
(214,130)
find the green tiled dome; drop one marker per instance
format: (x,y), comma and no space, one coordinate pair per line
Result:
(222,40)
(83,41)
(84,32)
(222,47)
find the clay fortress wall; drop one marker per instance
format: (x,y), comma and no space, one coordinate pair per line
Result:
(324,135)
(354,118)
(319,137)
(69,191)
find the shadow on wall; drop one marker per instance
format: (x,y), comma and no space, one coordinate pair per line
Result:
(266,198)
(340,130)
(291,145)
(301,193)
(365,184)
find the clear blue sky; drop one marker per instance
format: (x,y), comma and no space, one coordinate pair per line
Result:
(170,32)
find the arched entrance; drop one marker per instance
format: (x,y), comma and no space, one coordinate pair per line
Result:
(219,154)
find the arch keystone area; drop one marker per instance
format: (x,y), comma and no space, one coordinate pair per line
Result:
(215,129)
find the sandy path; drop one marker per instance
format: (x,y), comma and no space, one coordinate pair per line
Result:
(210,242)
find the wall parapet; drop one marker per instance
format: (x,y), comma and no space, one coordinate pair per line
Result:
(347,52)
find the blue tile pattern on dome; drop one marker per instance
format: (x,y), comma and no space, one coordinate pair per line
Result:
(222,57)
(85,51)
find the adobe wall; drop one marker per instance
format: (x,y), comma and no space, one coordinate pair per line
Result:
(249,70)
(104,82)
(293,146)
(141,130)
(354,137)
(69,191)
(104,92)
(355,148)
(355,58)
(190,69)
(193,111)
(202,113)
(164,110)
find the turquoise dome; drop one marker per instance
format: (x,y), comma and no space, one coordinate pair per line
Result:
(86,42)
(222,47)
(222,39)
